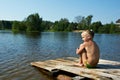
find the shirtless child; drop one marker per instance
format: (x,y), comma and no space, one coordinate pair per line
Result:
(88,50)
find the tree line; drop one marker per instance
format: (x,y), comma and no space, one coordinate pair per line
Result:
(34,23)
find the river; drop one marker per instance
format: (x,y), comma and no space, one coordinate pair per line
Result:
(17,51)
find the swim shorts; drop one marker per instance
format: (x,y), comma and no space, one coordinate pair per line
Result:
(88,65)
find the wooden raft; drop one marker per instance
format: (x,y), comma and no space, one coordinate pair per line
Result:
(106,70)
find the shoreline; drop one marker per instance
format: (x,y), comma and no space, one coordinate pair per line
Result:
(78,30)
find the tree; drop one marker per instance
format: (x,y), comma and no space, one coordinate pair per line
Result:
(5,24)
(46,25)
(105,29)
(15,26)
(112,28)
(84,23)
(78,19)
(118,21)
(70,27)
(33,23)
(61,25)
(18,26)
(88,20)
(95,26)
(1,25)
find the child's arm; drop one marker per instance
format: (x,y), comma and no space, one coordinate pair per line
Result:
(80,49)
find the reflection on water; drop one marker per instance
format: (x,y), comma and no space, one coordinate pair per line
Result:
(17,51)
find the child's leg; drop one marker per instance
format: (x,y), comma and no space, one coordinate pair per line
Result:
(84,58)
(80,60)
(81,57)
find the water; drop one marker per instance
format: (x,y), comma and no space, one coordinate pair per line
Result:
(17,51)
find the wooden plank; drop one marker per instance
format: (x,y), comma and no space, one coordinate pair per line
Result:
(106,70)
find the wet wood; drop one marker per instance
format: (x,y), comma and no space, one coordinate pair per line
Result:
(106,70)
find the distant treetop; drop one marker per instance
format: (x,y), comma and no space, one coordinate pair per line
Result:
(118,21)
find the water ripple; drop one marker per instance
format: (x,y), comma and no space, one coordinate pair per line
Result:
(18,51)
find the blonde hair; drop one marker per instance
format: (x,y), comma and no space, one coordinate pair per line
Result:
(89,32)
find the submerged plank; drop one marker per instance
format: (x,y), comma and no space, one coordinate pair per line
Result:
(106,70)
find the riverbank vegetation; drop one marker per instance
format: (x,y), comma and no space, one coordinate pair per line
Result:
(34,23)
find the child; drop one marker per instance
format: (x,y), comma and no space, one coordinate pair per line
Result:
(88,50)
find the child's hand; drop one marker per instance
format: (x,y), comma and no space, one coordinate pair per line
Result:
(77,51)
(80,49)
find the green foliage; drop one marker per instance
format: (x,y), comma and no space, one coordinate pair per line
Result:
(84,23)
(71,27)
(109,28)
(95,26)
(88,20)
(15,26)
(61,25)
(18,26)
(46,25)
(33,23)
(5,24)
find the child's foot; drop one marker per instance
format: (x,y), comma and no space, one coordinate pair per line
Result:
(79,64)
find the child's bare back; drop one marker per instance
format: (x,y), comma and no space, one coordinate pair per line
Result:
(92,52)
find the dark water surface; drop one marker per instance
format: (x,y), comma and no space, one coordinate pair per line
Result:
(17,51)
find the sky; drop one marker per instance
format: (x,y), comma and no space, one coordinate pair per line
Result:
(106,11)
